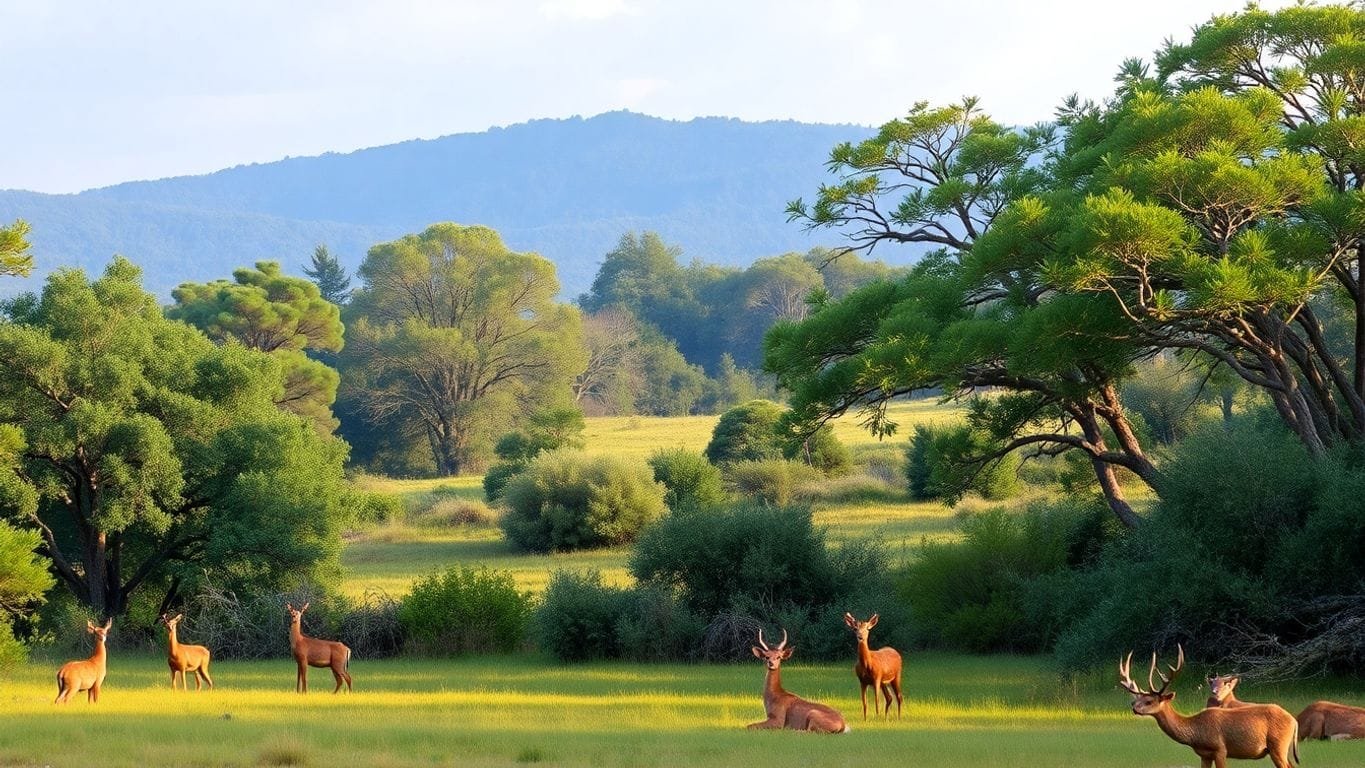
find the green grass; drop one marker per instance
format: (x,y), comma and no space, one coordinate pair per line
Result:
(959,711)
(388,557)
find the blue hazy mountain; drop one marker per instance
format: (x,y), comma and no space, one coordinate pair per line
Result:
(566,189)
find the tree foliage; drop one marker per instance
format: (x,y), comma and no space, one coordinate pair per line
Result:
(450,332)
(148,455)
(285,316)
(329,276)
(14,256)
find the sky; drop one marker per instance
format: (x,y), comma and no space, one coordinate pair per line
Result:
(97,92)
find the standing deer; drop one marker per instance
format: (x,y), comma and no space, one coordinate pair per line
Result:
(1221,695)
(86,674)
(1248,732)
(787,710)
(185,658)
(880,669)
(312,652)
(1328,720)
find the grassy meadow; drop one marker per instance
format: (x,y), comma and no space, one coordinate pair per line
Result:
(503,711)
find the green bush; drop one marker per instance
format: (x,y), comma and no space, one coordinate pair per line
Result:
(374,508)
(657,625)
(821,450)
(459,511)
(974,594)
(938,466)
(465,610)
(771,481)
(566,500)
(691,482)
(747,432)
(578,616)
(497,476)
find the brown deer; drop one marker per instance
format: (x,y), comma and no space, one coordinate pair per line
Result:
(185,658)
(312,652)
(1221,693)
(787,710)
(1248,732)
(880,669)
(1328,720)
(85,674)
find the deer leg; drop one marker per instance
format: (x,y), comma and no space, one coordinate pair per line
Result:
(336,673)
(864,695)
(94,695)
(877,696)
(766,725)
(204,670)
(896,684)
(198,681)
(886,691)
(301,683)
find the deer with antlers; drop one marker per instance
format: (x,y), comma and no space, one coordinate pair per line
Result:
(85,674)
(1329,720)
(787,710)
(312,652)
(1248,732)
(880,669)
(185,658)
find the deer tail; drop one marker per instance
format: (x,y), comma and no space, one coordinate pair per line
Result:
(846,729)
(1294,745)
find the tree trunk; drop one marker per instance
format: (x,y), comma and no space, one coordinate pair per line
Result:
(1104,472)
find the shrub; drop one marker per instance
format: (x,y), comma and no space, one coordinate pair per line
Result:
(497,476)
(567,500)
(974,594)
(939,466)
(459,511)
(771,481)
(747,432)
(465,610)
(370,626)
(372,508)
(255,627)
(657,625)
(690,481)
(821,450)
(577,618)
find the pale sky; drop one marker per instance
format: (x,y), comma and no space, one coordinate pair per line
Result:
(98,92)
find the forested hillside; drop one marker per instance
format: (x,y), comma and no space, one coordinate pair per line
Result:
(567,189)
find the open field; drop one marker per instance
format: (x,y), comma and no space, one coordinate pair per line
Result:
(388,557)
(960,711)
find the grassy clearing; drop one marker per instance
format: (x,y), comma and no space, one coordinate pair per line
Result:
(998,711)
(387,558)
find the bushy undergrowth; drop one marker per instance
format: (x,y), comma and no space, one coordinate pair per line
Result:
(757,431)
(937,467)
(691,482)
(567,500)
(978,594)
(770,481)
(581,619)
(464,610)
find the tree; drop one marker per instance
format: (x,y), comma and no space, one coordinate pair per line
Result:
(330,277)
(614,346)
(285,316)
(457,332)
(148,456)
(974,314)
(14,256)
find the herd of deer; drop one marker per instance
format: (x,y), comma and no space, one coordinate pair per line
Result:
(88,674)
(1226,727)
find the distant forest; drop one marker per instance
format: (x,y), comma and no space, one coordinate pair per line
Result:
(566,189)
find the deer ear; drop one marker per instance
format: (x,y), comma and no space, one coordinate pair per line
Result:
(849,620)
(872,622)
(89,625)
(178,617)
(757,653)
(108,623)
(1168,695)
(305,607)
(289,606)
(787,652)
(1232,682)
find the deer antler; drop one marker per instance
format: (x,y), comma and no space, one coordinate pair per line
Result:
(1126,676)
(762,644)
(783,644)
(1175,670)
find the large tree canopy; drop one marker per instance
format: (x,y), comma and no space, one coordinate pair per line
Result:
(145,454)
(451,329)
(273,312)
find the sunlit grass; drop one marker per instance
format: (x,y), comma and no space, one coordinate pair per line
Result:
(959,711)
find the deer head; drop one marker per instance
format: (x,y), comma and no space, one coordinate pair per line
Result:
(102,633)
(773,656)
(1220,688)
(1150,702)
(296,614)
(170,621)
(860,628)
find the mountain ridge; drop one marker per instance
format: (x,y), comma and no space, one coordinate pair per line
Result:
(566,188)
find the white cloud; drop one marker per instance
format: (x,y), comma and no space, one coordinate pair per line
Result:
(586,10)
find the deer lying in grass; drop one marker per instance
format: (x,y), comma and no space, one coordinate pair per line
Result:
(312,652)
(85,674)
(1221,693)
(1328,720)
(185,658)
(1247,732)
(880,669)
(787,710)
